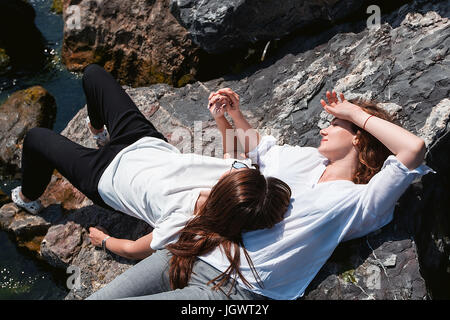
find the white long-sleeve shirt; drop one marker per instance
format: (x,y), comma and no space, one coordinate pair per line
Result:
(321,215)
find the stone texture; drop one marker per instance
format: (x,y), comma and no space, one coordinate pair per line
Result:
(23,110)
(139,42)
(220,26)
(404,64)
(283,96)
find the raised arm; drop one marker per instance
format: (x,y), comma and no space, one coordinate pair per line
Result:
(134,250)
(248,137)
(407,147)
(217,106)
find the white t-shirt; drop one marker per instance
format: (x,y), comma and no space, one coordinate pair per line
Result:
(289,255)
(153,181)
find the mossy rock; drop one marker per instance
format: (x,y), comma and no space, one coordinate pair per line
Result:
(23,110)
(57,6)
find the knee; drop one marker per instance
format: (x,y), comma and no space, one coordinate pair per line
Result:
(33,137)
(90,70)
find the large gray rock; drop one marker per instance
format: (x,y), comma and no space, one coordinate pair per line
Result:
(404,64)
(219,26)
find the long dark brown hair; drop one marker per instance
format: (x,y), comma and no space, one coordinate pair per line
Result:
(243,200)
(371,152)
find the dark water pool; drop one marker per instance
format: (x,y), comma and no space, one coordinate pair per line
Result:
(24,277)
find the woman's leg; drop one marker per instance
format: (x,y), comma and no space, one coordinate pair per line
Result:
(149,276)
(198,289)
(149,280)
(108,104)
(44,151)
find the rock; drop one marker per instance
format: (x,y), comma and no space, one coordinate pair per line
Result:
(19,36)
(23,110)
(431,220)
(139,42)
(67,244)
(28,229)
(220,26)
(177,42)
(283,97)
(61,244)
(403,64)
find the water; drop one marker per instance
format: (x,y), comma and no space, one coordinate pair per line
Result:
(65,86)
(22,276)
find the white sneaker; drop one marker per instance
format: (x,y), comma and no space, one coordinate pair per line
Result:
(33,207)
(101,138)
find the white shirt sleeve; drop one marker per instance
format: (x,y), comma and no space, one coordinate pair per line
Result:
(378,199)
(258,154)
(166,231)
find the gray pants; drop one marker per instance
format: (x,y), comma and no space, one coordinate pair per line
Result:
(149,280)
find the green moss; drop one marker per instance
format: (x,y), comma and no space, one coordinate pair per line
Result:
(187,78)
(33,94)
(57,6)
(349,276)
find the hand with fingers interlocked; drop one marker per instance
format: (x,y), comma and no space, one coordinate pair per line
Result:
(223,100)
(218,104)
(340,109)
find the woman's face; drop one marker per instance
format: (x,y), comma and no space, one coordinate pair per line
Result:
(338,140)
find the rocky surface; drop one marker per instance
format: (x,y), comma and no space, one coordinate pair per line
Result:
(180,41)
(23,110)
(404,64)
(220,26)
(139,42)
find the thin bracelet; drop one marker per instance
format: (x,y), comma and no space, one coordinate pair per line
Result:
(104,243)
(364,126)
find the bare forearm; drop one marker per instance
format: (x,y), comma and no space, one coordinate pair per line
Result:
(226,130)
(134,250)
(247,136)
(406,146)
(119,246)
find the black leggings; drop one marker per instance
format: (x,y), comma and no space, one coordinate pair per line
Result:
(44,150)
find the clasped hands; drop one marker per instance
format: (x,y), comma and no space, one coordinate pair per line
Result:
(223,100)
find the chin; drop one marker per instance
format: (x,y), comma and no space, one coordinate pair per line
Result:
(322,151)
(326,152)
